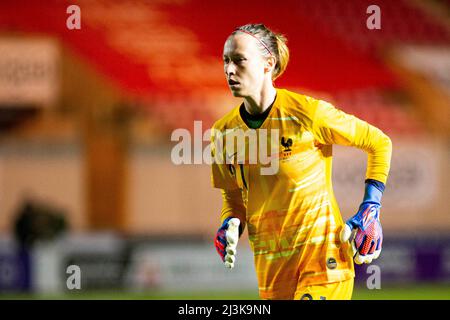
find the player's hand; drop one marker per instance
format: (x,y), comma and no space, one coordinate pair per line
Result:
(365,233)
(364,229)
(226,241)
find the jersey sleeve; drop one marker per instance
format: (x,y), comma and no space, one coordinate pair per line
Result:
(333,126)
(222,175)
(233,206)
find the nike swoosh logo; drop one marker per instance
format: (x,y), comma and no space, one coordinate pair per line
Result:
(232,156)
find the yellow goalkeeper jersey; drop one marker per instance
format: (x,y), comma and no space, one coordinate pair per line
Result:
(292,217)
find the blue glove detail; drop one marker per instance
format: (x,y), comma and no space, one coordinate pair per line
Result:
(374,191)
(368,239)
(221,240)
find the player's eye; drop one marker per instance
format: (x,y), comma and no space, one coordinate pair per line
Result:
(239,61)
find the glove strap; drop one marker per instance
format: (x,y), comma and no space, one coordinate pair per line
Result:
(373,191)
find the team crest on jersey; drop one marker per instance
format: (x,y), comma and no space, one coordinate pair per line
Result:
(287,144)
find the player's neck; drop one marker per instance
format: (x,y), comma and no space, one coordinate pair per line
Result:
(260,103)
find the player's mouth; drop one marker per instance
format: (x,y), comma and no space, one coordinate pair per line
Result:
(233,84)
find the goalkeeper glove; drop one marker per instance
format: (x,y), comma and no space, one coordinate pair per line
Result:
(365,225)
(227,239)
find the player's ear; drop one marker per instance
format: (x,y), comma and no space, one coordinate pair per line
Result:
(269,64)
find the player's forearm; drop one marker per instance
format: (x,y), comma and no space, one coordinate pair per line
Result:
(379,150)
(333,126)
(233,206)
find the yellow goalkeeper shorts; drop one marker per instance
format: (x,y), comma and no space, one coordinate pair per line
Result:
(331,291)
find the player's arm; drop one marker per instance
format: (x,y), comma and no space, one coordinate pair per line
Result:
(233,209)
(233,224)
(333,126)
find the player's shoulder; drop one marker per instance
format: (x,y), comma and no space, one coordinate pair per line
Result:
(294,96)
(297,103)
(229,120)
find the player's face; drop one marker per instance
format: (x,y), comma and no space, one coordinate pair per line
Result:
(243,65)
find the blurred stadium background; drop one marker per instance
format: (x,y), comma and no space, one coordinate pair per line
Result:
(86,117)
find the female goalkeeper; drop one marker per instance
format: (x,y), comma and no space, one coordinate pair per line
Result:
(302,248)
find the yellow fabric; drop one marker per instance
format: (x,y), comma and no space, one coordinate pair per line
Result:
(233,206)
(330,291)
(292,217)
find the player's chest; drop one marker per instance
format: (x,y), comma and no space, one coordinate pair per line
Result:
(272,155)
(261,146)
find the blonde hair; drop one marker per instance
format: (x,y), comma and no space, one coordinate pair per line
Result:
(270,43)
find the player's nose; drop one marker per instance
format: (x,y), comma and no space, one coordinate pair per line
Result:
(230,69)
